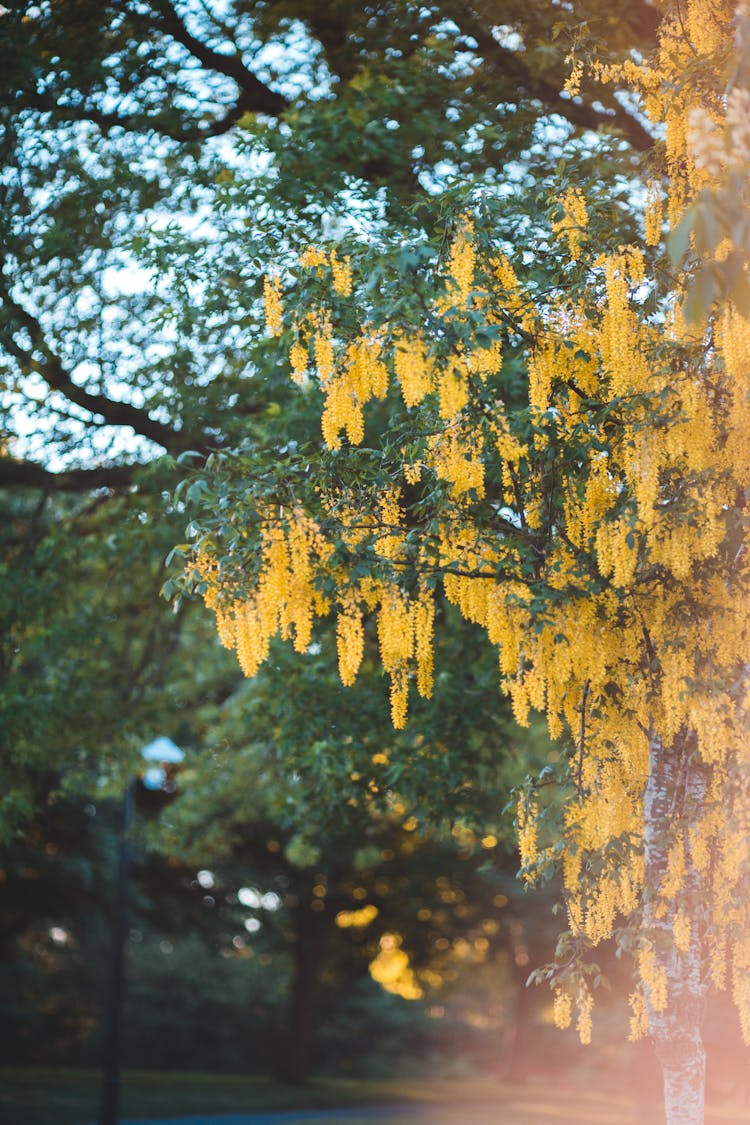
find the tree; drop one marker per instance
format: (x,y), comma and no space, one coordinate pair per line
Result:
(56,890)
(592,521)
(155,158)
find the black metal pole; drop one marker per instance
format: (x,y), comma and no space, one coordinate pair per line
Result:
(112,1015)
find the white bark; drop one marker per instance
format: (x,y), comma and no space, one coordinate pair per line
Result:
(675,790)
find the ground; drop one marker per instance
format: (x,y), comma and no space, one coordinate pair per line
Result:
(60,1097)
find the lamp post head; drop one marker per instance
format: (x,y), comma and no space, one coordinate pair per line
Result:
(163,750)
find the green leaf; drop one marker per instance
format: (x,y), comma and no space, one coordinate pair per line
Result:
(196,490)
(706,229)
(740,293)
(700,296)
(679,239)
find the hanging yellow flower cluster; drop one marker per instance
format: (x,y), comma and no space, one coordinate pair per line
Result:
(272,305)
(574,221)
(405,636)
(362,376)
(461,261)
(285,600)
(414,368)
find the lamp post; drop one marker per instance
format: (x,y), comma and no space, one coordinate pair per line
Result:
(161,753)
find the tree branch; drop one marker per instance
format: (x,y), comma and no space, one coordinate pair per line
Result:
(511,65)
(30,474)
(263,99)
(66,111)
(253,95)
(114,412)
(646,18)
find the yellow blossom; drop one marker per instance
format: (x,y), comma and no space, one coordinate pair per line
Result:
(272,305)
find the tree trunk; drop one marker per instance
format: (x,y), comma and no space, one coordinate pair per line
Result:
(312,934)
(675,791)
(516,1053)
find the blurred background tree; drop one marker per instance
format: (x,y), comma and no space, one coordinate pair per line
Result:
(289,908)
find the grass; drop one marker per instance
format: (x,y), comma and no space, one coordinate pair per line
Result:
(70,1097)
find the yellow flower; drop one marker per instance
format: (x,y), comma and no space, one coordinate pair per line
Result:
(272,305)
